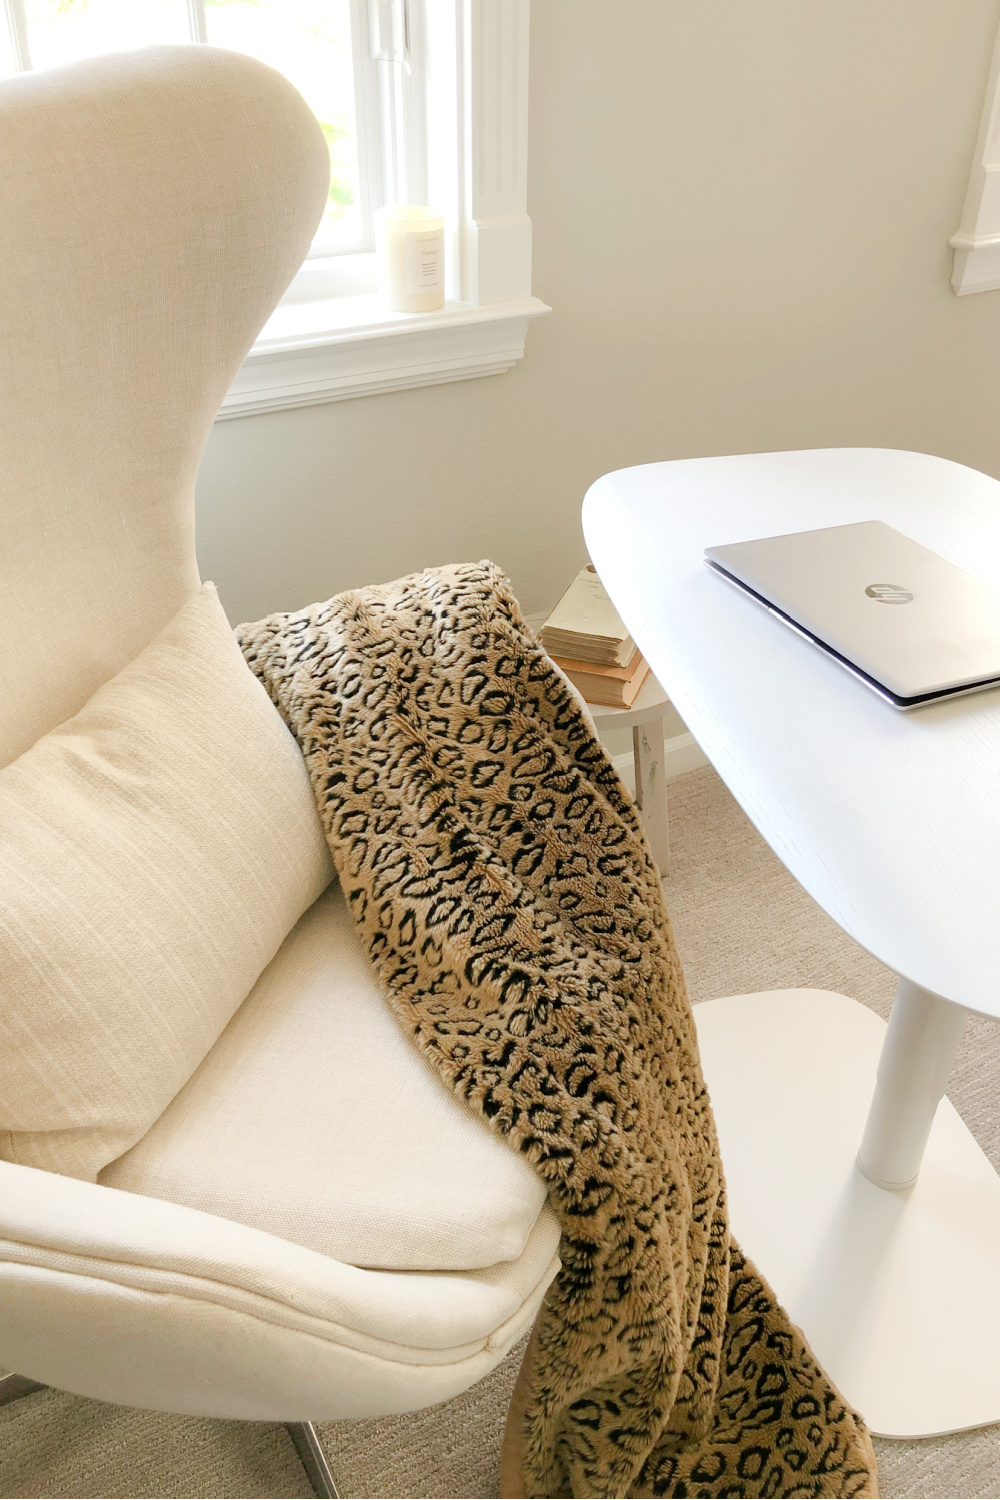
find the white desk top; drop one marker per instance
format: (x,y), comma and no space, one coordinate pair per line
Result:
(890,820)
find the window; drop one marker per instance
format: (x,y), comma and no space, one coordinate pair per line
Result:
(318,46)
(421,101)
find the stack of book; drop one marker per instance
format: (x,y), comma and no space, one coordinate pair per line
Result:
(585,636)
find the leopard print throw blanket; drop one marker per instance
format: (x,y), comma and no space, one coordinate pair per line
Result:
(501,885)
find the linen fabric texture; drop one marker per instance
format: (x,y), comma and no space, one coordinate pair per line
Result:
(155,849)
(155,206)
(144,1303)
(314,1118)
(499,880)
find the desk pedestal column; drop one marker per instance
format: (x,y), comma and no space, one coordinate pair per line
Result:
(913,1070)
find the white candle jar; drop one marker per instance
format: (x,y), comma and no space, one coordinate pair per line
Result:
(409,253)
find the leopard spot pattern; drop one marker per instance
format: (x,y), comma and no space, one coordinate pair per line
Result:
(500,883)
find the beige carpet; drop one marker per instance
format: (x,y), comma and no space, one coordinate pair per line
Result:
(742,925)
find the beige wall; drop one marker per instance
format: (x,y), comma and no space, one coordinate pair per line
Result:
(741,213)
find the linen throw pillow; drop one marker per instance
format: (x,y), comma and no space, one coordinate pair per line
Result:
(154,851)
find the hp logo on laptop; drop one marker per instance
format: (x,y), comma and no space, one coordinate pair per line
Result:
(888,593)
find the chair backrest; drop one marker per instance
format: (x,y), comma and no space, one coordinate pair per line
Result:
(153,207)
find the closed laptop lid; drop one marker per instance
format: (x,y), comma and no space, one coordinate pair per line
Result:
(905,616)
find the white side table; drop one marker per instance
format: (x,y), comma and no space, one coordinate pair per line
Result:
(645,719)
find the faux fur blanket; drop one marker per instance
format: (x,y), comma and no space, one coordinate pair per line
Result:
(498,876)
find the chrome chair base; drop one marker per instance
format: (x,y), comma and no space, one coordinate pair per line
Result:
(313,1459)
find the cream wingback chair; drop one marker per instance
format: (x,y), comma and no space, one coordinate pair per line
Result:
(307,1225)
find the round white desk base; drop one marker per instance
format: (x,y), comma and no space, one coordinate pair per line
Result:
(898,1293)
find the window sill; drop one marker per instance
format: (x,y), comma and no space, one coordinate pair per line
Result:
(332,350)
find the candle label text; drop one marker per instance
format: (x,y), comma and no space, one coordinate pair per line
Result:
(425,262)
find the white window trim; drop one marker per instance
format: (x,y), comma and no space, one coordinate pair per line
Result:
(331,339)
(977,243)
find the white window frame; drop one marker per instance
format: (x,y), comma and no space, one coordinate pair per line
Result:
(372,162)
(454,130)
(977,242)
(17,29)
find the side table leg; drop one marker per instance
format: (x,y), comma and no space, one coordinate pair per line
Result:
(913,1069)
(651,788)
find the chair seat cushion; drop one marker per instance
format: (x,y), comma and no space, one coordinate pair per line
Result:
(155,850)
(316,1119)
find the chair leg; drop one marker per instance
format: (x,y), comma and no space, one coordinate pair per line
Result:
(313,1459)
(13,1387)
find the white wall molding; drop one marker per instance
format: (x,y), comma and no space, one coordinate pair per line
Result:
(497,251)
(322,345)
(977,243)
(380,354)
(977,264)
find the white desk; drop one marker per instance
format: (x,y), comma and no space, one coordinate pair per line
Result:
(892,822)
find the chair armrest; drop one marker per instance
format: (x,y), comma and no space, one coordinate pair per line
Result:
(136,1300)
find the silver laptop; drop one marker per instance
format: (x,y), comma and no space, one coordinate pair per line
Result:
(909,624)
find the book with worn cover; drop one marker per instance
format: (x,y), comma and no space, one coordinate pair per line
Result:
(613,687)
(586,627)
